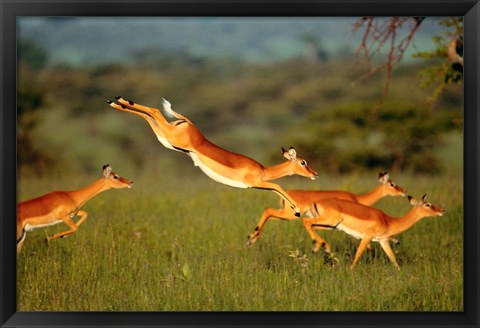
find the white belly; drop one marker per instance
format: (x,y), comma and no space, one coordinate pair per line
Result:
(30,227)
(351,232)
(214,175)
(208,171)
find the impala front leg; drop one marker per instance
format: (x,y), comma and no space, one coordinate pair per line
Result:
(152,112)
(269,213)
(73,226)
(279,191)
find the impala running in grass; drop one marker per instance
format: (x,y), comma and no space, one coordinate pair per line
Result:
(305,198)
(366,223)
(221,165)
(62,206)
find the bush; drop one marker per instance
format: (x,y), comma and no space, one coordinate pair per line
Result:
(395,136)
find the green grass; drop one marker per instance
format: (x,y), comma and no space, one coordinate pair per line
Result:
(180,245)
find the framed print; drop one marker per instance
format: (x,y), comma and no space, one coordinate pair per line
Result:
(146,147)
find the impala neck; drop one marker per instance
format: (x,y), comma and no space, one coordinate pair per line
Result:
(81,196)
(371,197)
(277,171)
(398,225)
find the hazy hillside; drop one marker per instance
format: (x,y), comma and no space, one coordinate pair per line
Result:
(80,41)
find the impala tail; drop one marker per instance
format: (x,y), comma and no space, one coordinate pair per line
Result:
(167,108)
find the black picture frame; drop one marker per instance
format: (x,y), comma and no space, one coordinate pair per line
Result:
(10,10)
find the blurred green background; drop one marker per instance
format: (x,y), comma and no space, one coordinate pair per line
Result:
(251,85)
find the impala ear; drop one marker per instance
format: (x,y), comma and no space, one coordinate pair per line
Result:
(291,154)
(412,200)
(424,198)
(107,170)
(383,177)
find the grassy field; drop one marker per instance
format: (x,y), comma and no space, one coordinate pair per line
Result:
(179,244)
(177,240)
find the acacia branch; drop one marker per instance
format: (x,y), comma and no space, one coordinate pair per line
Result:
(377,34)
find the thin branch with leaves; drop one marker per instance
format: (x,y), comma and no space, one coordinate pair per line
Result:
(395,34)
(379,32)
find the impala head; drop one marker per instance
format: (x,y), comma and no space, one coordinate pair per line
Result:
(300,165)
(114,180)
(426,208)
(389,187)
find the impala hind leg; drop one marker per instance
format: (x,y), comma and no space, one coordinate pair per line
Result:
(150,111)
(154,125)
(150,119)
(21,234)
(311,225)
(20,241)
(73,226)
(180,135)
(268,214)
(155,112)
(279,191)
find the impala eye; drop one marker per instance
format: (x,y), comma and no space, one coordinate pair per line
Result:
(392,184)
(304,163)
(116,177)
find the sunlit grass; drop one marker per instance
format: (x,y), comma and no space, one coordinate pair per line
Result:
(180,245)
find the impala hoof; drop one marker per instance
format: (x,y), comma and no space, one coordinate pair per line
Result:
(296,211)
(316,246)
(251,240)
(330,259)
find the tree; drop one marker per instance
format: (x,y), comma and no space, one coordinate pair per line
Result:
(380,33)
(30,99)
(30,53)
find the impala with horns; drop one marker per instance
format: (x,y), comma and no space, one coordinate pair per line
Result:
(62,206)
(221,165)
(305,198)
(366,223)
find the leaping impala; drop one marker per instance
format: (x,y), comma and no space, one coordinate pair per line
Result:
(221,165)
(305,198)
(62,206)
(366,223)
